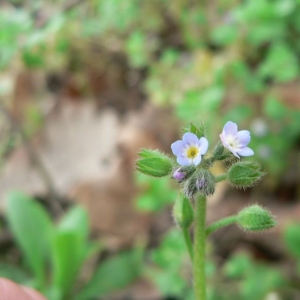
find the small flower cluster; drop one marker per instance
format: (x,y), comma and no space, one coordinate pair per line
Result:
(190,149)
(193,170)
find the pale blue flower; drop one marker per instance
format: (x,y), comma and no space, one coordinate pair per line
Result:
(236,141)
(189,149)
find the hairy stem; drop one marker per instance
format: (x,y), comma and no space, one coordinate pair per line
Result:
(221,223)
(221,177)
(199,249)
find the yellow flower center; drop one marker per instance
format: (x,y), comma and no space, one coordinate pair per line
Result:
(192,152)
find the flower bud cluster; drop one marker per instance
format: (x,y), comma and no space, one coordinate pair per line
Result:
(192,171)
(201,181)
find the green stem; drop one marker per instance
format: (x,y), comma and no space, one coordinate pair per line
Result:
(219,224)
(199,249)
(221,177)
(188,242)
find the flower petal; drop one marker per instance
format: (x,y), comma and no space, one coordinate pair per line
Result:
(243,137)
(190,138)
(178,147)
(183,161)
(197,160)
(230,128)
(223,139)
(203,145)
(233,151)
(245,151)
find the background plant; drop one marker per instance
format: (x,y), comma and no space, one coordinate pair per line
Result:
(55,254)
(233,60)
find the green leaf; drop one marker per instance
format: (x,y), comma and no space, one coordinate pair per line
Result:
(200,103)
(67,257)
(225,35)
(211,98)
(260,281)
(70,248)
(32,228)
(183,212)
(14,273)
(262,32)
(190,106)
(292,239)
(285,7)
(113,274)
(76,220)
(239,113)
(157,194)
(32,58)
(170,283)
(169,259)
(280,64)
(171,247)
(237,266)
(274,109)
(136,48)
(256,280)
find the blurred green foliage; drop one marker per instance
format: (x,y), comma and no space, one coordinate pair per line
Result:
(253,280)
(155,194)
(210,61)
(171,269)
(241,276)
(292,242)
(56,254)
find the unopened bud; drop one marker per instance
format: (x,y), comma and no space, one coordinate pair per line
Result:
(183,173)
(179,175)
(206,182)
(154,163)
(255,218)
(183,212)
(202,181)
(244,174)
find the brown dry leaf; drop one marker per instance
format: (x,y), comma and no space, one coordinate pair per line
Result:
(90,157)
(72,147)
